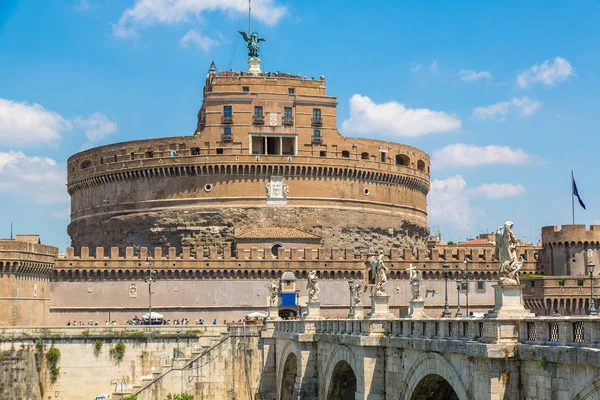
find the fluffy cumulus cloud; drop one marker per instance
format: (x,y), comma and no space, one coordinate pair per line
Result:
(449,200)
(195,39)
(25,124)
(36,179)
(29,124)
(96,127)
(465,155)
(524,106)
(498,190)
(145,13)
(548,73)
(395,119)
(471,76)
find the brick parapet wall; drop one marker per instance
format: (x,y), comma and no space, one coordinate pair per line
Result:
(570,233)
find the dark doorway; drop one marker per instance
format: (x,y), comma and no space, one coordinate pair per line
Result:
(288,383)
(343,383)
(434,387)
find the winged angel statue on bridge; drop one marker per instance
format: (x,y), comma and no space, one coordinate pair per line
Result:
(252,43)
(506,253)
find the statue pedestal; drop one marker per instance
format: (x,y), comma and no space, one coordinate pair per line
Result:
(357,312)
(313,309)
(509,303)
(254,66)
(380,308)
(417,309)
(273,313)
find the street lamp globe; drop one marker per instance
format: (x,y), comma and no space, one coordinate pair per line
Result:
(590,267)
(446,268)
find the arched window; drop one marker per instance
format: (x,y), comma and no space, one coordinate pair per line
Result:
(275,249)
(86,164)
(421,165)
(345,154)
(402,159)
(195,151)
(364,156)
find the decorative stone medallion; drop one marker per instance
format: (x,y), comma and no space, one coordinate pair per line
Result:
(276,191)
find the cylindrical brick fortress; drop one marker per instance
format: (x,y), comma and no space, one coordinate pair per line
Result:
(266,153)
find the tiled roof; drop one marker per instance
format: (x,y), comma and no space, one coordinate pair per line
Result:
(276,233)
(476,242)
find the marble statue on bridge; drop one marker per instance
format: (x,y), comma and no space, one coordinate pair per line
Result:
(273,292)
(313,287)
(415,282)
(378,273)
(506,253)
(356,287)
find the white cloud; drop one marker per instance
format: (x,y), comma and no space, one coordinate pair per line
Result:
(25,124)
(470,76)
(152,12)
(548,73)
(449,200)
(392,118)
(203,43)
(416,67)
(498,190)
(97,126)
(37,179)
(524,106)
(465,155)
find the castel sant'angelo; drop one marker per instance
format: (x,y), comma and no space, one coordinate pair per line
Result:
(264,188)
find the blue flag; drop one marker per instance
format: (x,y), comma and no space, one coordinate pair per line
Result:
(576,193)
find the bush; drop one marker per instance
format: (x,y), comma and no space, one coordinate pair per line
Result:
(118,352)
(130,397)
(180,396)
(97,346)
(52,359)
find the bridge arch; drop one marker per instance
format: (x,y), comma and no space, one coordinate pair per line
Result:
(590,392)
(288,354)
(344,372)
(432,368)
(288,389)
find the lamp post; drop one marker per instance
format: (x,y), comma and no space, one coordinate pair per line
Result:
(150,279)
(466,277)
(458,283)
(446,313)
(590,268)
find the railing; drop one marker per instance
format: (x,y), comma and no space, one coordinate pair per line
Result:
(288,121)
(227,120)
(317,140)
(227,138)
(317,122)
(258,120)
(571,331)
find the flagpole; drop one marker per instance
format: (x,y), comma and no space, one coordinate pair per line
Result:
(573,196)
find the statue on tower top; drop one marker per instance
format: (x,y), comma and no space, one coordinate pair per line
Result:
(252,43)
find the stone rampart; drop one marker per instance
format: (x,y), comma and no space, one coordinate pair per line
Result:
(566,249)
(567,234)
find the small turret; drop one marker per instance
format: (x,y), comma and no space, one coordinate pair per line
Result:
(213,68)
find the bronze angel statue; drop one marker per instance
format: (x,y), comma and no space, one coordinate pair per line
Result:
(252,43)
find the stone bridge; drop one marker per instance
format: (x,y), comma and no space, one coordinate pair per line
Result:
(445,358)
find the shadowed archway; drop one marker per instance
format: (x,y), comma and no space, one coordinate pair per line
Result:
(343,382)
(288,382)
(434,387)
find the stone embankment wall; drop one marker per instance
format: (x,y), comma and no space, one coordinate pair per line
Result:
(86,371)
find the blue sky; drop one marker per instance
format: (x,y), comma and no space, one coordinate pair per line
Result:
(503,97)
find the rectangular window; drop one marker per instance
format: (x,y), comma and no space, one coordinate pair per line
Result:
(219,151)
(258,111)
(323,154)
(383,156)
(317,133)
(149,154)
(287,112)
(227,131)
(101,160)
(291,90)
(133,156)
(480,285)
(316,114)
(227,111)
(245,88)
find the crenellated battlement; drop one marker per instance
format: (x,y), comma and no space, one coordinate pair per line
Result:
(160,255)
(570,233)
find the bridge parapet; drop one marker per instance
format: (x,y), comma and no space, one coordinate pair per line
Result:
(569,331)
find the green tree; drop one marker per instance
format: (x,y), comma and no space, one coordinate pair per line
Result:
(180,396)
